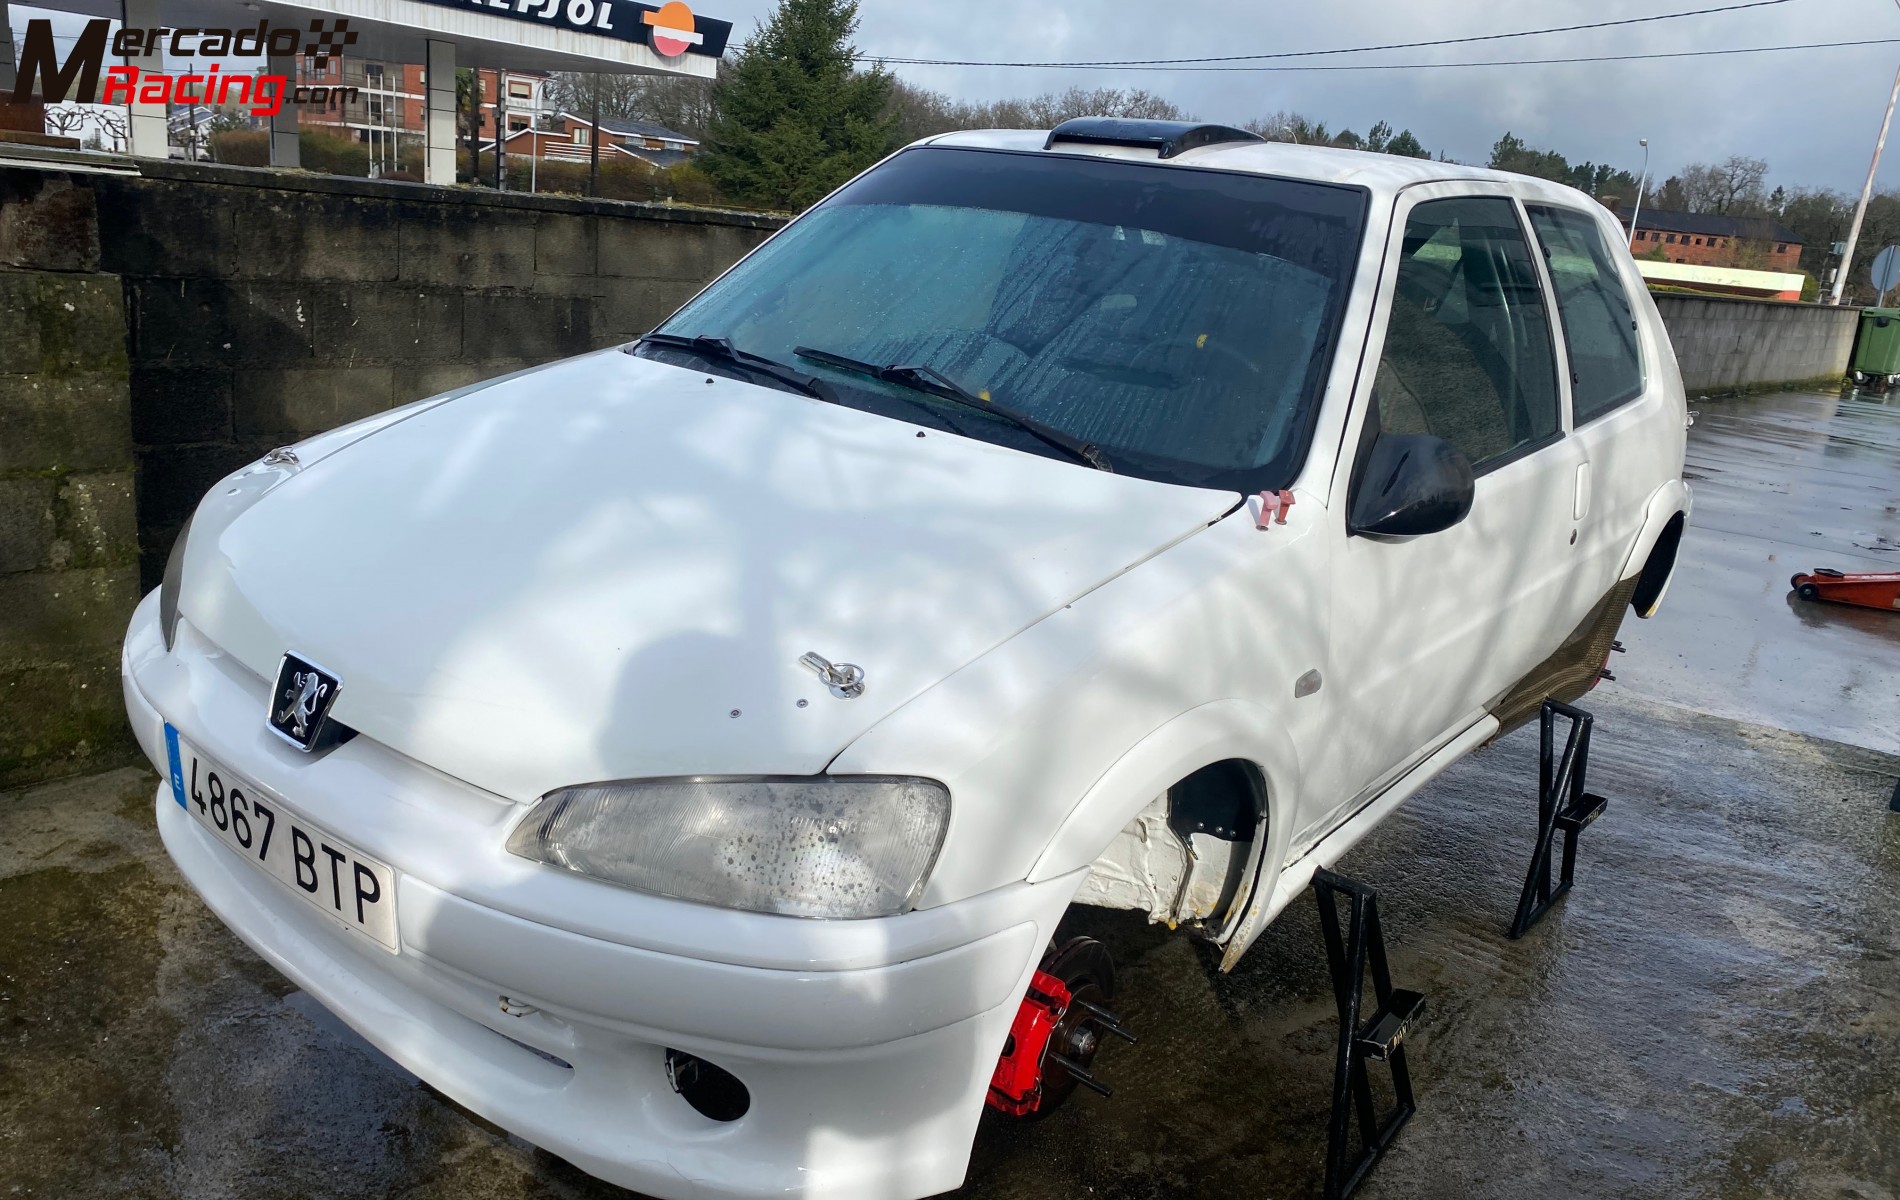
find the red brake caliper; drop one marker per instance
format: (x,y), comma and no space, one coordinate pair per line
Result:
(1016,1088)
(1052,1042)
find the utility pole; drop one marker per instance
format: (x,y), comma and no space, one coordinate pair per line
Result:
(1641,185)
(1866,193)
(501,130)
(474,126)
(593,144)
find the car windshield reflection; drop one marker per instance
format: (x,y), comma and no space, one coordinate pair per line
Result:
(1178,321)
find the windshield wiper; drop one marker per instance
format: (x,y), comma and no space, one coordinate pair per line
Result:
(929,379)
(720,349)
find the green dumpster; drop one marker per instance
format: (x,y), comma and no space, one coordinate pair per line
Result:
(1877,352)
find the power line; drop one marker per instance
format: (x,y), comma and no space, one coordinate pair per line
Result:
(1532,62)
(1482,37)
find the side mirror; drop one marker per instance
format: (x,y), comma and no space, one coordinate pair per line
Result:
(1410,483)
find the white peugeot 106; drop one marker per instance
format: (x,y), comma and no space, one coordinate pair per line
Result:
(682,755)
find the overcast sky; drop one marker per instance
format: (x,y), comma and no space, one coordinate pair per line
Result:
(1811,114)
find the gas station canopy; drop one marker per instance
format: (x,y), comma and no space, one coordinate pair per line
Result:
(610,36)
(615,36)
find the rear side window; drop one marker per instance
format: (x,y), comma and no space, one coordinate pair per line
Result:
(1468,354)
(1599,324)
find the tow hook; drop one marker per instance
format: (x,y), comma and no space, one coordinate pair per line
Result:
(1058,1031)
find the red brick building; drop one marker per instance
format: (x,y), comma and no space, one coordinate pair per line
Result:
(389,99)
(568,137)
(1709,240)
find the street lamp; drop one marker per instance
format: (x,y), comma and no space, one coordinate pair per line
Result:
(1641,185)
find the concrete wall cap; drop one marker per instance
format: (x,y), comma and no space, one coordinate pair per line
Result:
(344,185)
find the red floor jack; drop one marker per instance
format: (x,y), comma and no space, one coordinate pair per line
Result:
(1867,591)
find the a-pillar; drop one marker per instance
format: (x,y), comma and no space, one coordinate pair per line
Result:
(439,116)
(146,132)
(285,150)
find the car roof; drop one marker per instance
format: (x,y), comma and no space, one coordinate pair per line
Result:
(1382,174)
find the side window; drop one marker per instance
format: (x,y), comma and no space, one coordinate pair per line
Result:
(1599,324)
(1468,354)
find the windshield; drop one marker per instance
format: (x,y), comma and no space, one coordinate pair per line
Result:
(1179,320)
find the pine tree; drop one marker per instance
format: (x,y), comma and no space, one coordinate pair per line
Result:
(795,116)
(1406,145)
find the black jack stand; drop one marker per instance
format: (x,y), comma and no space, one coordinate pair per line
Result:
(1382,1037)
(1562,804)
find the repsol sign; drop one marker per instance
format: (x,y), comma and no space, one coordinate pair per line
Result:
(671,29)
(43,74)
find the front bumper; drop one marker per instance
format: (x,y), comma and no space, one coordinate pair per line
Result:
(866,1046)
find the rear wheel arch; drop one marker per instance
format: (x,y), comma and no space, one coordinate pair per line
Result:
(1659,567)
(1652,553)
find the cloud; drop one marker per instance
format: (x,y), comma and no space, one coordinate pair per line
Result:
(1812,114)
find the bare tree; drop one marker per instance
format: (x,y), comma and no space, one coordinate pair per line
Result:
(1742,180)
(114,123)
(109,122)
(65,119)
(1286,126)
(1731,187)
(922,112)
(674,102)
(1274,126)
(1053,109)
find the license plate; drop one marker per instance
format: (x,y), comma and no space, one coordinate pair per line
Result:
(317,867)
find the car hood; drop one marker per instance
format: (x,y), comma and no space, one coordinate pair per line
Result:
(610,568)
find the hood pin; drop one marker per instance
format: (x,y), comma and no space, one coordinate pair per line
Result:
(845,680)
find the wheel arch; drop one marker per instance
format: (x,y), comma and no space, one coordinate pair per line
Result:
(1223,731)
(1652,559)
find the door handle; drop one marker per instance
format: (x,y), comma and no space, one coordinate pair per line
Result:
(1581,506)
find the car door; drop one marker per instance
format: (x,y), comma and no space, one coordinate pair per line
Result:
(1612,396)
(1427,632)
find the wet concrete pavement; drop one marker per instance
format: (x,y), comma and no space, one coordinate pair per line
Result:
(1713,1012)
(1782,483)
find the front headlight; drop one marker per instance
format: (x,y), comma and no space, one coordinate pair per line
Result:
(809,846)
(168,590)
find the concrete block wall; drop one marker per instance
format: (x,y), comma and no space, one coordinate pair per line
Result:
(1725,345)
(266,306)
(68,535)
(161,327)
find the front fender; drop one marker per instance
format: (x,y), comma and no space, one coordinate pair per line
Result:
(1211,733)
(1050,742)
